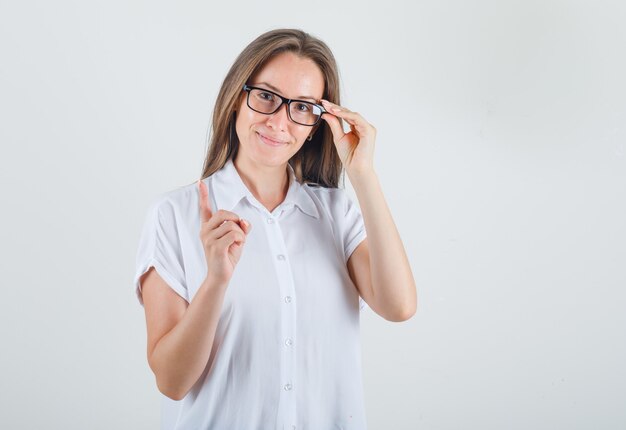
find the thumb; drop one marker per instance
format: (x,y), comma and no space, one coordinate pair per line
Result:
(335,126)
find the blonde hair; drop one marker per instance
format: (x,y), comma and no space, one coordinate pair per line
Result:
(317,161)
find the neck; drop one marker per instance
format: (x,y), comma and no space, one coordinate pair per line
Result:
(268,184)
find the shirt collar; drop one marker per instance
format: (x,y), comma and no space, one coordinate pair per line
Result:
(229,189)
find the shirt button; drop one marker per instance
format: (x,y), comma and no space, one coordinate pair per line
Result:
(280,256)
(288,299)
(288,387)
(270,221)
(288,342)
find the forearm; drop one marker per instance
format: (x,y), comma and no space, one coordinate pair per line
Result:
(391,276)
(181,356)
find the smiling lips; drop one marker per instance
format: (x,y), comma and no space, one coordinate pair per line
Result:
(269,141)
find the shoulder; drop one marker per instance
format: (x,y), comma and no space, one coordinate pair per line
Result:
(175,202)
(335,201)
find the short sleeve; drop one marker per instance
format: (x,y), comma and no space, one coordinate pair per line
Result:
(354,229)
(354,233)
(160,246)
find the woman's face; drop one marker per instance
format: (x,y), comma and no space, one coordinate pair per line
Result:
(292,77)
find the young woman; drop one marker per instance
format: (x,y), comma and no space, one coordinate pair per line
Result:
(252,278)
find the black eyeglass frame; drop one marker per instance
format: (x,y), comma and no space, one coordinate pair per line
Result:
(284,100)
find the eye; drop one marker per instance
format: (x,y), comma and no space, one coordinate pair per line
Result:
(303,107)
(266,96)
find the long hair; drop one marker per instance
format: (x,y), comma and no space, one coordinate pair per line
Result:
(317,161)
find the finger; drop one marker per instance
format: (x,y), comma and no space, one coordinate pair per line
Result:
(350,117)
(335,127)
(205,209)
(230,238)
(245,226)
(225,228)
(346,114)
(221,216)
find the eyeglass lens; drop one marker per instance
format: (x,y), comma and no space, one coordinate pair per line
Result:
(300,111)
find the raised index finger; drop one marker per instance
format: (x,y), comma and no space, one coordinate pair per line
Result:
(205,209)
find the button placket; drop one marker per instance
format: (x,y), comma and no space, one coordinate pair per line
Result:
(278,251)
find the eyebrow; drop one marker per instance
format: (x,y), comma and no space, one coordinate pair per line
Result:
(277,90)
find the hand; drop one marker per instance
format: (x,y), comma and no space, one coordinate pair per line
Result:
(355,148)
(223,235)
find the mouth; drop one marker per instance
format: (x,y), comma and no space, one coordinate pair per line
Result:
(269,141)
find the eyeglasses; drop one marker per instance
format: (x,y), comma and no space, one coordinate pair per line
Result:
(267,102)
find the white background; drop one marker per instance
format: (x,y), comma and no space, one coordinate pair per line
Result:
(501,150)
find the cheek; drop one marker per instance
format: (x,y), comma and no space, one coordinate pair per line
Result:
(245,123)
(248,121)
(300,134)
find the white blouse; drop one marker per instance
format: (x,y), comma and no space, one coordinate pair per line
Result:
(287,351)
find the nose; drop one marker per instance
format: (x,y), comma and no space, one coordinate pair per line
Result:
(280,118)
